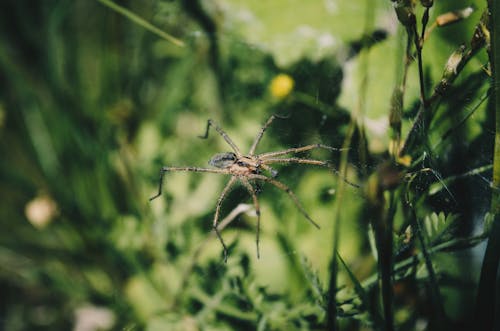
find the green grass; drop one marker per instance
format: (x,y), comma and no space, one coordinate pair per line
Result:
(96,96)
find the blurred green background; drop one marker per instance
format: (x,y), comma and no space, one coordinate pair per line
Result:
(92,104)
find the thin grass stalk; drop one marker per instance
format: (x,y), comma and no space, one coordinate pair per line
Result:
(381,208)
(331,322)
(439,313)
(385,261)
(487,302)
(142,22)
(356,121)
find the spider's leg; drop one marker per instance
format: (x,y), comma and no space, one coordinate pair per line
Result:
(217,212)
(252,192)
(160,185)
(297,160)
(261,132)
(163,170)
(308,161)
(286,189)
(272,171)
(299,150)
(223,134)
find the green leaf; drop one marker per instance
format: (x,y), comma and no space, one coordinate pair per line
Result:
(436,226)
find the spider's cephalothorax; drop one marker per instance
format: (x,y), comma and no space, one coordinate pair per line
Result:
(238,166)
(248,169)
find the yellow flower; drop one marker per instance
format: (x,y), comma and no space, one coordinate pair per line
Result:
(281,86)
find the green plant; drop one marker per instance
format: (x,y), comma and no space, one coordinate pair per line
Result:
(96,96)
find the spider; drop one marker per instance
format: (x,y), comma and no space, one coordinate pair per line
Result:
(248,169)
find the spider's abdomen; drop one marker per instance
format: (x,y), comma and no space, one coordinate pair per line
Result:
(223,160)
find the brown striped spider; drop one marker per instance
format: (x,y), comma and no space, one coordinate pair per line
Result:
(250,168)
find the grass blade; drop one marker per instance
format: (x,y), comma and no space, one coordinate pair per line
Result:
(142,22)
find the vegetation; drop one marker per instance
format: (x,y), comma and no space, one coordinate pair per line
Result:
(97,96)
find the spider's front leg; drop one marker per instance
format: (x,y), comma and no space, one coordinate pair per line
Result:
(163,170)
(262,131)
(222,133)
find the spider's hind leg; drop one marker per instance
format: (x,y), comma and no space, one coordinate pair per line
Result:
(253,193)
(224,247)
(274,173)
(215,224)
(290,193)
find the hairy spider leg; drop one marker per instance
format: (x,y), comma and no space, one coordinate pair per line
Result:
(308,161)
(252,192)
(163,170)
(261,133)
(296,160)
(223,134)
(272,171)
(286,189)
(217,212)
(299,150)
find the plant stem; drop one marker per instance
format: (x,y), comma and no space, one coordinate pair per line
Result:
(418,47)
(332,286)
(385,261)
(439,313)
(487,302)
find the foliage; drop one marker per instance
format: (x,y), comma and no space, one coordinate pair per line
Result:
(96,96)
